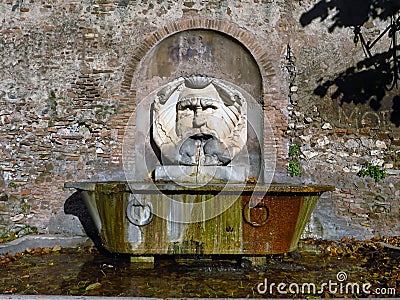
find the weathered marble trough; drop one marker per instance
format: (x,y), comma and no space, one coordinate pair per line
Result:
(274,225)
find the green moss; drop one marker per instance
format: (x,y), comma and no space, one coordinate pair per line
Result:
(25,208)
(111,205)
(28,230)
(52,95)
(8,236)
(12,185)
(52,104)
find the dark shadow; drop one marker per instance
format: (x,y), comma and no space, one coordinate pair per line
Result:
(123,3)
(372,79)
(346,13)
(368,82)
(395,117)
(154,146)
(75,205)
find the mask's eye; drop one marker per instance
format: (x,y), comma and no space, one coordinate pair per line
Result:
(208,104)
(184,104)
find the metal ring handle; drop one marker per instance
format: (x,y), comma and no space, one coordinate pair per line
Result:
(139,214)
(247,214)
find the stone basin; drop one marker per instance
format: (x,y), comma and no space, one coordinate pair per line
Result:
(148,219)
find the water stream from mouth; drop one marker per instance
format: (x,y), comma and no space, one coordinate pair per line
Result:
(198,159)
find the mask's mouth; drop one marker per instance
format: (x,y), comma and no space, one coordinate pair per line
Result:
(203,149)
(201,136)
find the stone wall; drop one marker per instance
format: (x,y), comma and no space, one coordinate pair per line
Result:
(69,78)
(337,138)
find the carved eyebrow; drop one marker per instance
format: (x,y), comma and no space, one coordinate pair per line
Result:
(196,101)
(205,103)
(184,103)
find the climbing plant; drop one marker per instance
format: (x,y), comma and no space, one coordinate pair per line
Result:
(293,164)
(372,171)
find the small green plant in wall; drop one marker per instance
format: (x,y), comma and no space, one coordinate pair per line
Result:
(293,165)
(12,185)
(372,171)
(294,168)
(294,150)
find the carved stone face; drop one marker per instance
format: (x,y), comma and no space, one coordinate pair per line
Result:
(198,113)
(209,125)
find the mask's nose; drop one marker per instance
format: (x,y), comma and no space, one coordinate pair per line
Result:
(198,119)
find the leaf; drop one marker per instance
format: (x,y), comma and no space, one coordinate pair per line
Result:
(93,286)
(56,248)
(10,291)
(46,250)
(73,292)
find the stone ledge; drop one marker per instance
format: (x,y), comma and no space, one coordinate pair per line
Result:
(36,241)
(201,174)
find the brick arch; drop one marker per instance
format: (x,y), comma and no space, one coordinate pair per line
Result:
(245,38)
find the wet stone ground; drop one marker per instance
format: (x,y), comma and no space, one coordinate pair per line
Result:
(319,269)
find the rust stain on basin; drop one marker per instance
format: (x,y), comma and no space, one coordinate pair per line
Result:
(272,224)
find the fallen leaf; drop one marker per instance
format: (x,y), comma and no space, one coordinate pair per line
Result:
(56,248)
(46,250)
(93,286)
(73,292)
(10,291)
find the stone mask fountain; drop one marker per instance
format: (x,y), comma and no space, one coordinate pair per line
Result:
(200,130)
(195,179)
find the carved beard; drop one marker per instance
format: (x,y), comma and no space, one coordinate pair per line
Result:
(203,149)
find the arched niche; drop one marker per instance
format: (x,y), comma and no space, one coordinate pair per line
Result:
(221,54)
(199,51)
